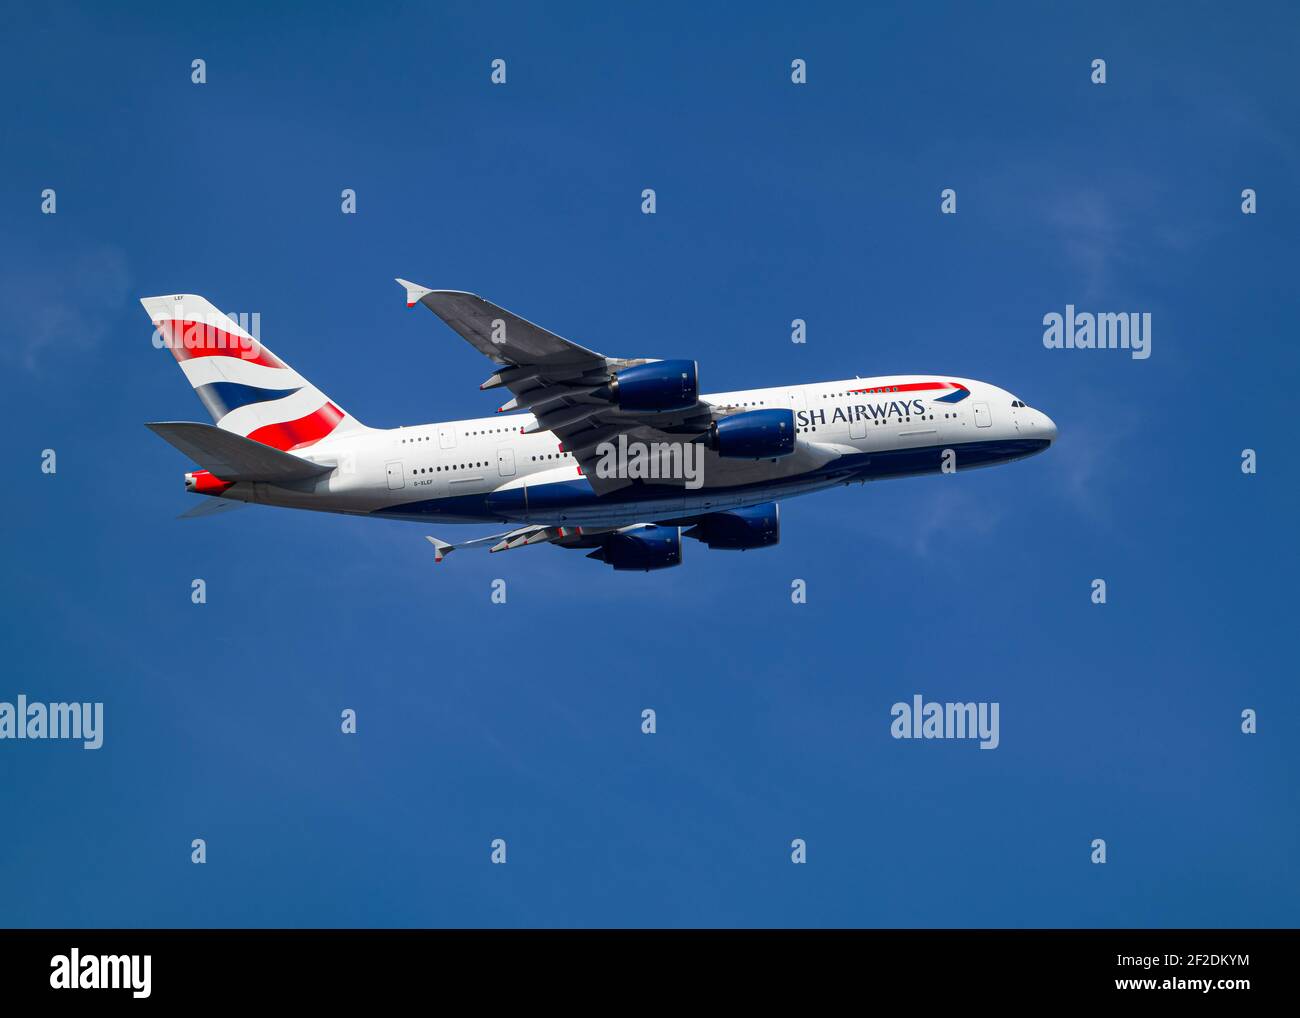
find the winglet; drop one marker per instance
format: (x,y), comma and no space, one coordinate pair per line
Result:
(441,549)
(414,291)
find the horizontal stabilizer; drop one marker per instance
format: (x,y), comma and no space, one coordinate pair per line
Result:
(211,507)
(233,458)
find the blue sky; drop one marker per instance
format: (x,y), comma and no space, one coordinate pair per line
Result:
(522,721)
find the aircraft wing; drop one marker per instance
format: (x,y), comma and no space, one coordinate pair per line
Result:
(565,537)
(565,386)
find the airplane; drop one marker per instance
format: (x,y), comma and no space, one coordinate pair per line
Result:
(620,457)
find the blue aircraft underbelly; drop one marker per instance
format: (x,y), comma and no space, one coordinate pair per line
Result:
(576,502)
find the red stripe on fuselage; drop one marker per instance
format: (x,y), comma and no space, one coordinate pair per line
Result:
(197,339)
(911,387)
(304,431)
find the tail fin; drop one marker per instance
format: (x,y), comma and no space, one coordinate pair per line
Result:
(247,389)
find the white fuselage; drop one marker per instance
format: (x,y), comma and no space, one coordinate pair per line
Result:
(487,470)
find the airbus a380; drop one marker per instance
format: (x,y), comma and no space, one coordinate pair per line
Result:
(622,457)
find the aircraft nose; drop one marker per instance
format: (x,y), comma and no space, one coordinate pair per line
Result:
(1047,427)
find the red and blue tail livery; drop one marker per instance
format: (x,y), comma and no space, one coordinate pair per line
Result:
(246,388)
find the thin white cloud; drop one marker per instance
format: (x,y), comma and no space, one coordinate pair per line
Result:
(60,310)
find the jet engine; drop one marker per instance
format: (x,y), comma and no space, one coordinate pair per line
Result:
(642,549)
(654,387)
(756,434)
(757,526)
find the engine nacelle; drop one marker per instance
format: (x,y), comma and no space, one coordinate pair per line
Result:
(755,435)
(653,387)
(758,526)
(642,549)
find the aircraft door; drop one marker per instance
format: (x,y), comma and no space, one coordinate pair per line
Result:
(798,403)
(446,437)
(396,475)
(506,462)
(982,418)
